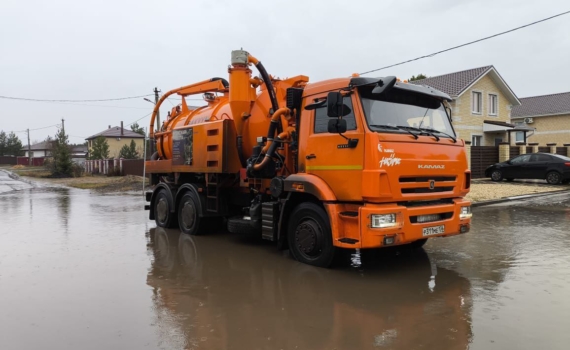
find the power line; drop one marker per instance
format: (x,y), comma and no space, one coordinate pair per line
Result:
(469,43)
(146,115)
(101,100)
(45,127)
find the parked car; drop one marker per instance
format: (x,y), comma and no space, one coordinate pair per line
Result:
(553,168)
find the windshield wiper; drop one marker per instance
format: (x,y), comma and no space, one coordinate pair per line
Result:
(422,131)
(440,132)
(386,126)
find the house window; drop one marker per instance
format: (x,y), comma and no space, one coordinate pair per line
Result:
(476,140)
(493,104)
(519,137)
(477,102)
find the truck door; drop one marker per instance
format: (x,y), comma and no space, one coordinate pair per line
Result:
(340,167)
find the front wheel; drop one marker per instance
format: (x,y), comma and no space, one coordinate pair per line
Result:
(497,175)
(419,243)
(553,178)
(310,235)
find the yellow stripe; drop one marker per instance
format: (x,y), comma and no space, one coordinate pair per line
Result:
(335,167)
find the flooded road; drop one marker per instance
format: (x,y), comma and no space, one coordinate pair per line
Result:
(80,270)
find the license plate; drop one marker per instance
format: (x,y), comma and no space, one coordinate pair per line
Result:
(435,230)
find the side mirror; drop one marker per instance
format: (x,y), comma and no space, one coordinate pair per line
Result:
(337,126)
(335,106)
(384,85)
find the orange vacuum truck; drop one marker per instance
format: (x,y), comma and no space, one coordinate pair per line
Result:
(315,167)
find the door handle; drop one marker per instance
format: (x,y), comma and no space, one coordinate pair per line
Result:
(311,156)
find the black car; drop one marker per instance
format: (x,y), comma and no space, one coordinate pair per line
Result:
(553,168)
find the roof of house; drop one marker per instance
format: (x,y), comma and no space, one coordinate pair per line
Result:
(537,106)
(79,149)
(40,146)
(455,84)
(115,131)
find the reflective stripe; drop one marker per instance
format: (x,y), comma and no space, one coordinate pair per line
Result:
(334,167)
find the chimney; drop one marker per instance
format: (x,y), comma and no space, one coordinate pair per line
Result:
(121,128)
(109,126)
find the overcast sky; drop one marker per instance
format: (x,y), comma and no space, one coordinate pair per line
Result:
(64,49)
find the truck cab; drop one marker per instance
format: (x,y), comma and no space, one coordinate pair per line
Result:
(396,175)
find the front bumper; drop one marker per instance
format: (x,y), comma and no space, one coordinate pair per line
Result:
(406,231)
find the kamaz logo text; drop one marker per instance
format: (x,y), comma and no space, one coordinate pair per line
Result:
(422,166)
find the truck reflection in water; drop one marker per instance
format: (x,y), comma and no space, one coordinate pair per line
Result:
(211,292)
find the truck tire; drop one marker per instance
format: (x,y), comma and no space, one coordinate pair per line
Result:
(189,218)
(310,235)
(163,215)
(419,243)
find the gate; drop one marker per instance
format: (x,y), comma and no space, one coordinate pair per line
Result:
(544,149)
(481,158)
(561,151)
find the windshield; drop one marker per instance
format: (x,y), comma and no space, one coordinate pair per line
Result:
(404,109)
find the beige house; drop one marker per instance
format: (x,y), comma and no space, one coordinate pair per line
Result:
(481,106)
(116,138)
(548,114)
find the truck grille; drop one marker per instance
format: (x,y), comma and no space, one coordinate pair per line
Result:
(427,189)
(421,184)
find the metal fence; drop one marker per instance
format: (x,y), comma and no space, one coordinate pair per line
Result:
(8,160)
(115,166)
(481,158)
(561,151)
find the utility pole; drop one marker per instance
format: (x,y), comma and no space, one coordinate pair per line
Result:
(29,149)
(63,124)
(156,91)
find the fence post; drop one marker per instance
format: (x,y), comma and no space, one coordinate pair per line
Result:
(504,152)
(552,147)
(567,145)
(121,165)
(468,153)
(534,147)
(522,147)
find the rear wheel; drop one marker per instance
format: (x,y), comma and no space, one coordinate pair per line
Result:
(163,215)
(553,178)
(188,216)
(497,175)
(310,235)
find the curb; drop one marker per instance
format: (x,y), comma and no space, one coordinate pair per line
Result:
(509,199)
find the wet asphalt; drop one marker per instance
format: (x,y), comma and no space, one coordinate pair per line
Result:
(81,270)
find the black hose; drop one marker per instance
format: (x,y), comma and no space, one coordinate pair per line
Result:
(269,86)
(273,147)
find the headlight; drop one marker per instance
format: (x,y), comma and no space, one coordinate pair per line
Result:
(383,220)
(465,213)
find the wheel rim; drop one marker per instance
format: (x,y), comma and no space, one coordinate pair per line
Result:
(309,239)
(553,178)
(496,175)
(162,210)
(188,215)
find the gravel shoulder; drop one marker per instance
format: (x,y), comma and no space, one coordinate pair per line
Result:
(483,190)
